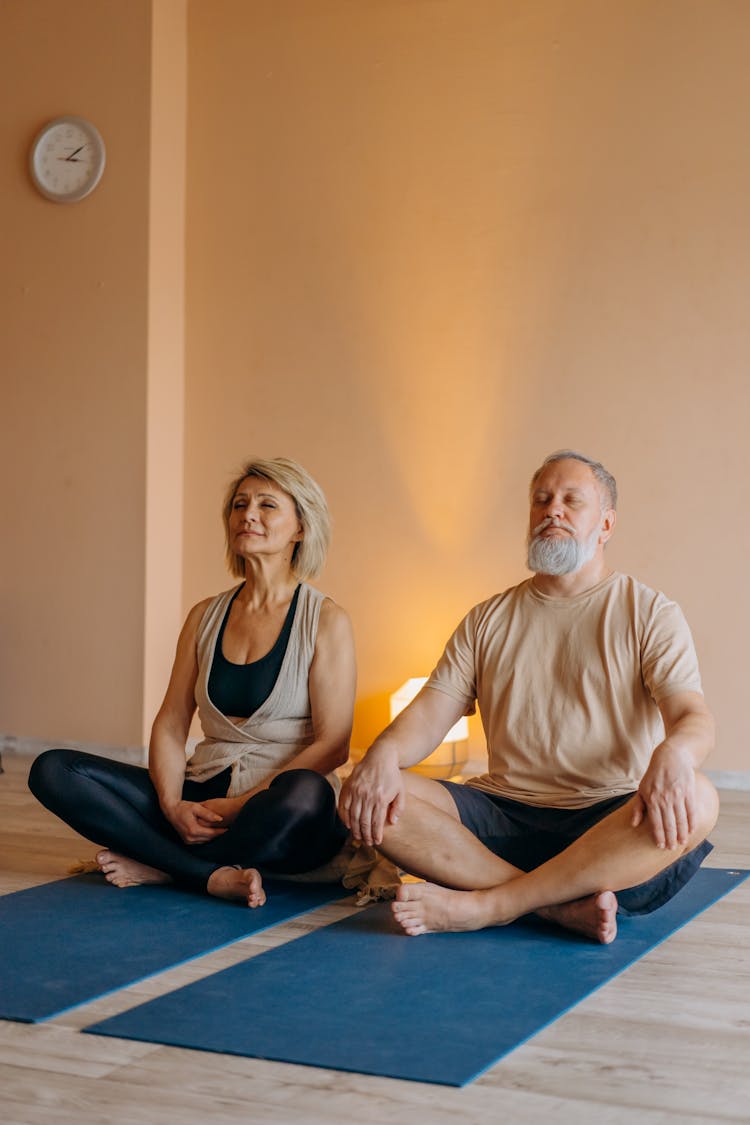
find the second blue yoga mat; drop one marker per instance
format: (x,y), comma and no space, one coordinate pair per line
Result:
(357,996)
(68,942)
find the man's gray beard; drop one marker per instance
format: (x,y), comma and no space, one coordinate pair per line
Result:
(561,554)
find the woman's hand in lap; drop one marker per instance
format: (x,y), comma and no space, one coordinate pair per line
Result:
(226,809)
(196,823)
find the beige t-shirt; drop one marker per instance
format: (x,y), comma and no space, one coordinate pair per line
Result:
(568,687)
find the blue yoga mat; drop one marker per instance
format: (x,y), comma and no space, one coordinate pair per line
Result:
(74,940)
(358,996)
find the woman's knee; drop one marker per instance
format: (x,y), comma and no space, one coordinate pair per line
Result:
(304,792)
(48,771)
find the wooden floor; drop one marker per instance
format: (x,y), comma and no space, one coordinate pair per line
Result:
(668,1041)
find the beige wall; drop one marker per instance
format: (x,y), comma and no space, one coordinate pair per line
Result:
(74,317)
(426,244)
(166,352)
(94,316)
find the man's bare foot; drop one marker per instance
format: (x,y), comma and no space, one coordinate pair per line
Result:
(243,883)
(423,908)
(595,917)
(121,871)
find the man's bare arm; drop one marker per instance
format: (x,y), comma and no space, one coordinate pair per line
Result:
(667,790)
(373,795)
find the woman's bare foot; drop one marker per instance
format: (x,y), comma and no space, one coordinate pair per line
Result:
(121,871)
(422,908)
(243,883)
(595,917)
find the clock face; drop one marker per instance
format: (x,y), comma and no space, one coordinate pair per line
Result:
(67,159)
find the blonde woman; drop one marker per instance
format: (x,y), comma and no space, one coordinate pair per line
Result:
(270,666)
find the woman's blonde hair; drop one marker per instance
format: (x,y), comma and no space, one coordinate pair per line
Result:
(311,507)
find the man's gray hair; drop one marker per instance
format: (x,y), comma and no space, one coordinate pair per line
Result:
(606,481)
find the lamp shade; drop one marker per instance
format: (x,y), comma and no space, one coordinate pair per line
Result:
(452,753)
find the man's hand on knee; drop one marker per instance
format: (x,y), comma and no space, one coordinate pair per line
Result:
(372,796)
(667,797)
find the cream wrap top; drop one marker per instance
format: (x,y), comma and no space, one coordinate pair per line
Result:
(281,727)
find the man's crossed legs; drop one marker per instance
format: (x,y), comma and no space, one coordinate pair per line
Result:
(469,886)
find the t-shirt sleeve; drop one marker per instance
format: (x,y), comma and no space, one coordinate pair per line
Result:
(455,673)
(668,658)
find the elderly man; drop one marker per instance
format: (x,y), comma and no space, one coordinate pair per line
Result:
(590,697)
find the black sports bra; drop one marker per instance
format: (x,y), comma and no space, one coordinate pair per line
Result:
(240,689)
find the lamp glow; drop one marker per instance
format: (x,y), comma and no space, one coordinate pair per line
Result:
(448,759)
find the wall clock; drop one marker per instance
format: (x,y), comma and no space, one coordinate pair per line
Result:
(67,159)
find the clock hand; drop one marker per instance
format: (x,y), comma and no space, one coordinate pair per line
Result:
(73,155)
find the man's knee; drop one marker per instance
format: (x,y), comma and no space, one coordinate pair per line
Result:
(429,791)
(707,805)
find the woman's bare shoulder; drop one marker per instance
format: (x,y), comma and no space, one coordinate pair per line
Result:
(195,616)
(197,611)
(334,620)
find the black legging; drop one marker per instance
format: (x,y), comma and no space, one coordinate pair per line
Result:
(289,828)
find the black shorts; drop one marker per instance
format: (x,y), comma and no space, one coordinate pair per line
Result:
(528,836)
